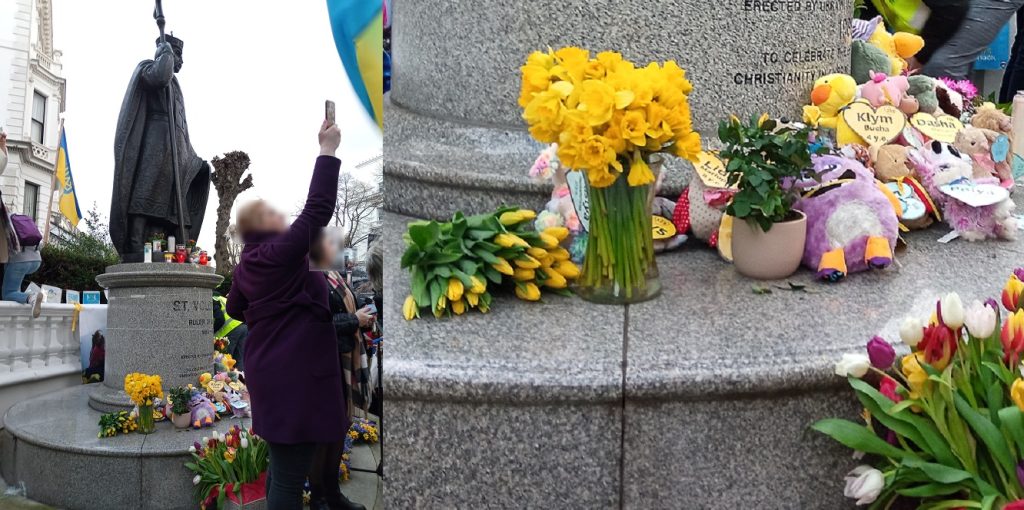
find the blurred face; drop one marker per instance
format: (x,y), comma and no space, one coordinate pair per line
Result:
(260,217)
(178,60)
(326,252)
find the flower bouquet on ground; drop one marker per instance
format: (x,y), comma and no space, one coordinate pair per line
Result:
(944,426)
(610,120)
(451,263)
(144,389)
(229,467)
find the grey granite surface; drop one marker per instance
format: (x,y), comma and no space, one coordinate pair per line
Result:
(460,58)
(458,454)
(125,471)
(433,167)
(736,453)
(159,321)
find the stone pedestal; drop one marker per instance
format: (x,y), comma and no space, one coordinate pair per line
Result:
(159,321)
(454,133)
(700,399)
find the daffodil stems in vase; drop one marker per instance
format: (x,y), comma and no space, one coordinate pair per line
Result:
(146,422)
(619,265)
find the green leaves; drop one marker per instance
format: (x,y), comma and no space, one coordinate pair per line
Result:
(764,160)
(860,438)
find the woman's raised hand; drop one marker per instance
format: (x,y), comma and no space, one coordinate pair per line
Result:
(330,138)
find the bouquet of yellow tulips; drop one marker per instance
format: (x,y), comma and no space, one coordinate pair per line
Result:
(943,424)
(452,263)
(609,117)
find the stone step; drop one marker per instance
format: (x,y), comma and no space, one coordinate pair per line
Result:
(435,167)
(704,395)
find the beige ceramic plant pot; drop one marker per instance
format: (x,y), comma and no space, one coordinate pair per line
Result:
(771,255)
(181,421)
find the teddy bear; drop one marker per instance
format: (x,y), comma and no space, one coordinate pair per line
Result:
(940,164)
(922,88)
(883,89)
(987,116)
(890,162)
(852,221)
(976,144)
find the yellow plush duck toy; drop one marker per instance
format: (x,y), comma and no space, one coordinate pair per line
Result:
(899,46)
(832,93)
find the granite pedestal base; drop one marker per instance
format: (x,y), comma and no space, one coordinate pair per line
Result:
(49,443)
(159,321)
(700,399)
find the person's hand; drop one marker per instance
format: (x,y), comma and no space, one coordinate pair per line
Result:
(364,316)
(913,65)
(330,138)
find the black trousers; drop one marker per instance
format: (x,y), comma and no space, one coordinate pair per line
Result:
(289,464)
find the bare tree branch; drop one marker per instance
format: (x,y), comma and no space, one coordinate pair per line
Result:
(229,183)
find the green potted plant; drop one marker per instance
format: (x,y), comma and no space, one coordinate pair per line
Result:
(765,158)
(179,402)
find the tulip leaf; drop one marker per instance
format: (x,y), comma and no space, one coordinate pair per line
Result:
(463,277)
(468,266)
(1012,421)
(1000,371)
(424,234)
(987,432)
(435,293)
(940,473)
(492,274)
(442,271)
(418,288)
(903,422)
(480,235)
(487,256)
(859,438)
(930,490)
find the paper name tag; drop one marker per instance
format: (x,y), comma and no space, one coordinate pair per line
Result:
(711,170)
(911,205)
(975,195)
(1000,148)
(879,125)
(579,193)
(942,128)
(662,228)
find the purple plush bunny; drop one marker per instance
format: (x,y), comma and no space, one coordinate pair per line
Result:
(852,225)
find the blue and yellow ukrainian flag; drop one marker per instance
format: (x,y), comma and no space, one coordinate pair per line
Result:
(358,27)
(68,198)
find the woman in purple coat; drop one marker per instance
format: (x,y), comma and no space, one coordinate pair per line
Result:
(291,358)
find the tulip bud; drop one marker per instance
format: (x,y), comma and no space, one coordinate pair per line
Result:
(880,353)
(196,480)
(522,274)
(980,320)
(191,449)
(455,289)
(853,365)
(1011,293)
(458,307)
(245,443)
(1017,393)
(479,285)
(528,291)
(864,484)
(559,233)
(409,308)
(911,331)
(472,299)
(951,311)
(526,261)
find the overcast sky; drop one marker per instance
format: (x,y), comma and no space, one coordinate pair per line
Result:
(255,78)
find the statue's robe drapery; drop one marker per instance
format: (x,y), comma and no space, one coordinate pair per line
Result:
(143,175)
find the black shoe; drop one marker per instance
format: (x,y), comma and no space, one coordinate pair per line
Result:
(342,503)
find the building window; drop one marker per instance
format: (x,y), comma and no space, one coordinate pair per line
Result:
(38,117)
(31,200)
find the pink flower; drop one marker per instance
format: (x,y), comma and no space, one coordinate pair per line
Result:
(888,388)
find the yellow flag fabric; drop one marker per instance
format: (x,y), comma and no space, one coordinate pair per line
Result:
(68,197)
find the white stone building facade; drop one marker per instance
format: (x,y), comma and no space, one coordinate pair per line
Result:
(31,101)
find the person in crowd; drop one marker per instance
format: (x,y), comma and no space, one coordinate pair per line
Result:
(291,352)
(1013,76)
(981,24)
(934,20)
(375,269)
(19,261)
(97,358)
(230,328)
(323,475)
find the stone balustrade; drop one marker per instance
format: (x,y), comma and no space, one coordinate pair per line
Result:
(36,355)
